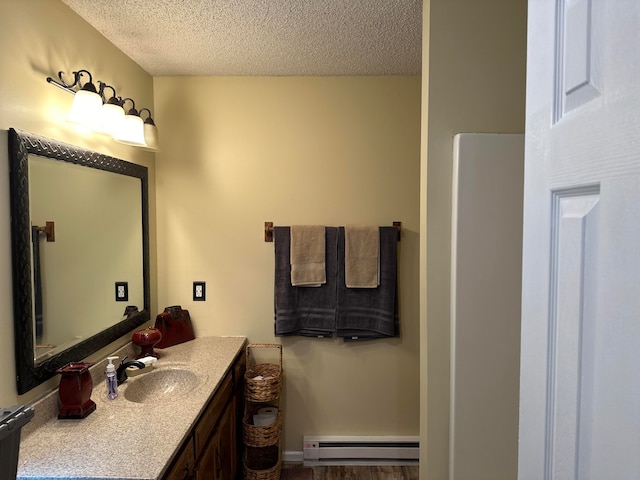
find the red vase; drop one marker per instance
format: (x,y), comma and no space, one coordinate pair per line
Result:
(146,339)
(75,390)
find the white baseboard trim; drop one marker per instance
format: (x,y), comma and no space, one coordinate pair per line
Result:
(362,463)
(296,456)
(292,456)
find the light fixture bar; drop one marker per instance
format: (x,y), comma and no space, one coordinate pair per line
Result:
(69,86)
(97,124)
(60,86)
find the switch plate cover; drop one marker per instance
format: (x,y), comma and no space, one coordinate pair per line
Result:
(199,291)
(122,291)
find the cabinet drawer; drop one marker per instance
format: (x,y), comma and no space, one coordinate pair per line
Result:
(212,414)
(182,467)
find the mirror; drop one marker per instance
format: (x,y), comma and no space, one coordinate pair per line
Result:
(95,220)
(80,236)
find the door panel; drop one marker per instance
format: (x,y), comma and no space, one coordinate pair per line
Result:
(580,387)
(574,251)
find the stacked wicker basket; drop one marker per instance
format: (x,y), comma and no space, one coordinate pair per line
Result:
(262,387)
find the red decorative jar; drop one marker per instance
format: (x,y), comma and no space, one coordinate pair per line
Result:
(146,339)
(75,390)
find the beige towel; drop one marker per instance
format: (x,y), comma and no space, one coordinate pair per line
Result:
(308,255)
(361,256)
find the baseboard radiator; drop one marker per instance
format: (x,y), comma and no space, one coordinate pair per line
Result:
(336,450)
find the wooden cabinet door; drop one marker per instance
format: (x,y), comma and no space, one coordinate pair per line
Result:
(226,461)
(239,370)
(182,469)
(219,458)
(206,468)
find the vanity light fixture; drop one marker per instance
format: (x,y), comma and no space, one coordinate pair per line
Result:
(111,113)
(93,110)
(150,131)
(131,129)
(86,105)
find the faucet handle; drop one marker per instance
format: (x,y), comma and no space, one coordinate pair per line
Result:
(122,369)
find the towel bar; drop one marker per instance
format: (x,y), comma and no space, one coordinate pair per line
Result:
(268,230)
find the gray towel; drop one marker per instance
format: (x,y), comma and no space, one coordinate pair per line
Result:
(302,310)
(366,313)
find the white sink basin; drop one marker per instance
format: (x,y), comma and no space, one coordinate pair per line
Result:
(162,383)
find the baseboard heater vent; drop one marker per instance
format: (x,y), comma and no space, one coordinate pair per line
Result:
(335,450)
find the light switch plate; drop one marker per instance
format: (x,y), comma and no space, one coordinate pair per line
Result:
(122,291)
(199,291)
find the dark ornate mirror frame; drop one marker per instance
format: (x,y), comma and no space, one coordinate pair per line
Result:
(21,144)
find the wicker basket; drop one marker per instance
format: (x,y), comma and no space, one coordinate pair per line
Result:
(262,382)
(262,463)
(260,435)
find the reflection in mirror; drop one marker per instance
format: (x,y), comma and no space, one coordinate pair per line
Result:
(97,224)
(79,225)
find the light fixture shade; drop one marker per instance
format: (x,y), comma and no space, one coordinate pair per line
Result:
(131,131)
(111,117)
(85,109)
(151,136)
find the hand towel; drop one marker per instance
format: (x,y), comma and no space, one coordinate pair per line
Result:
(307,312)
(362,256)
(368,313)
(308,255)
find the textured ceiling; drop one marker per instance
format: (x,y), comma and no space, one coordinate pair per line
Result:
(262,37)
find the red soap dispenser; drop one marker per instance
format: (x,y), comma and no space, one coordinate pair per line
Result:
(75,390)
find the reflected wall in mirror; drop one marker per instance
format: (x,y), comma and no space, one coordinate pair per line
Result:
(97,218)
(65,301)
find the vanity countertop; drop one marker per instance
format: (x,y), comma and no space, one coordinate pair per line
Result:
(123,439)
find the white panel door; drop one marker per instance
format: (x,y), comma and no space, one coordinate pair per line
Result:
(580,349)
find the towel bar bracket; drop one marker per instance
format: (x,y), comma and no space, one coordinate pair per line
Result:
(398,226)
(49,230)
(268,230)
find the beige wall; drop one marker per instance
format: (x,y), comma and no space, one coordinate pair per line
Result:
(237,152)
(476,58)
(39,38)
(423,284)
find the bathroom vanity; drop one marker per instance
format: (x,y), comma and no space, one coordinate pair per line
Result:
(181,420)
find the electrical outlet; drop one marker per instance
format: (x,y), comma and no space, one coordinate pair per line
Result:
(199,291)
(122,292)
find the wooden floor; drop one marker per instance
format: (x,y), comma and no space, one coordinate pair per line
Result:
(365,473)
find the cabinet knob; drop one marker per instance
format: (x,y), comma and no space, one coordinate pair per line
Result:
(187,472)
(218,461)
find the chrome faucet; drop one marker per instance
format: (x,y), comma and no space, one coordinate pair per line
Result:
(121,373)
